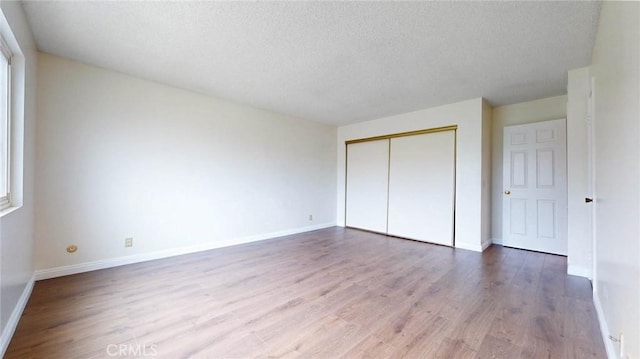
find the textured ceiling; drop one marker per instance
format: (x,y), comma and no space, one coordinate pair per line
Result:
(333,62)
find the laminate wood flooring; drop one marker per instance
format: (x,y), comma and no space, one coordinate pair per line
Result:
(332,293)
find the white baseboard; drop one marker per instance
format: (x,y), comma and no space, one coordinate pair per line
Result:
(497,241)
(143,257)
(604,328)
(474,247)
(486,244)
(579,271)
(470,247)
(12,323)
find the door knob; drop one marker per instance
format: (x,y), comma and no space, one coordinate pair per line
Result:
(588,200)
(507,192)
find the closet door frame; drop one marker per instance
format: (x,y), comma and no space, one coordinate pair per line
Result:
(367,203)
(405,134)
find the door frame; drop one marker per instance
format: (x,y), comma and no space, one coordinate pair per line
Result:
(591,181)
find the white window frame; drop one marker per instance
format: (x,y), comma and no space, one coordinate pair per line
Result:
(5,150)
(15,130)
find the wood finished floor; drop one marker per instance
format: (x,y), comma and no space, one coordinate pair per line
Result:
(325,294)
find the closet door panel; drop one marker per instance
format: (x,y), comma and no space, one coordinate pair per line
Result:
(421,187)
(367,185)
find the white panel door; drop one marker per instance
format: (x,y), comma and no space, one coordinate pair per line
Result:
(535,187)
(367,185)
(421,187)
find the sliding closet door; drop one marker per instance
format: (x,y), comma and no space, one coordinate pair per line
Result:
(421,187)
(367,185)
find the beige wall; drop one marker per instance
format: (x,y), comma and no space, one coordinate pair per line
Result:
(551,108)
(17,228)
(177,171)
(580,240)
(487,138)
(616,71)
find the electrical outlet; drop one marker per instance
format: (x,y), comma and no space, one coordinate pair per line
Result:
(311,217)
(620,341)
(128,242)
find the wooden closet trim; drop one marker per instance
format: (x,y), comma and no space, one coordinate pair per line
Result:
(404,134)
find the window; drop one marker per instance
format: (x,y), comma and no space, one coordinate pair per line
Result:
(5,125)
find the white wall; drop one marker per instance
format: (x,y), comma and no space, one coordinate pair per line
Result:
(551,108)
(468,115)
(579,239)
(615,67)
(487,140)
(17,228)
(178,171)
